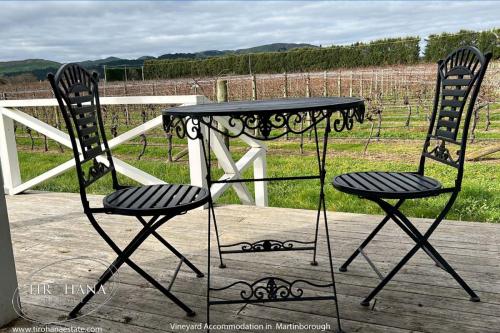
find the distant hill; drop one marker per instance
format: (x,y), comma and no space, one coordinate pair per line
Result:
(100,62)
(197,55)
(37,67)
(40,67)
(22,66)
(275,47)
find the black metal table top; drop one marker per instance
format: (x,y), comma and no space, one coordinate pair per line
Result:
(289,105)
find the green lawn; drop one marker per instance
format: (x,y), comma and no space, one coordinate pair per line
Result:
(478,201)
(398,149)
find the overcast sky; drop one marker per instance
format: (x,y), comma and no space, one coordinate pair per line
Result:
(74,31)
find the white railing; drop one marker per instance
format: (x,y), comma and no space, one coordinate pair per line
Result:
(13,183)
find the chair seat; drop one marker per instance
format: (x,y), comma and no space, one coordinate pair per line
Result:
(389,185)
(153,200)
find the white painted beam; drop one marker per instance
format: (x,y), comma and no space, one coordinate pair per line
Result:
(136,131)
(8,154)
(227,163)
(179,99)
(61,168)
(38,125)
(260,171)
(260,163)
(243,163)
(246,160)
(8,278)
(132,172)
(197,165)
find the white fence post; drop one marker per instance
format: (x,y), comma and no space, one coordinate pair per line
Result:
(8,279)
(260,171)
(197,167)
(8,154)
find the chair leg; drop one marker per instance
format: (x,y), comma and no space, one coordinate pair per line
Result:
(314,262)
(112,269)
(368,239)
(158,286)
(436,256)
(330,259)
(161,288)
(389,276)
(211,208)
(172,249)
(413,233)
(447,267)
(421,243)
(321,172)
(409,255)
(124,257)
(108,273)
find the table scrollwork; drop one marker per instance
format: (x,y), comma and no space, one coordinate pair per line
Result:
(265,124)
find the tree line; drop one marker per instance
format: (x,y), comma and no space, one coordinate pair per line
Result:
(392,51)
(381,52)
(440,45)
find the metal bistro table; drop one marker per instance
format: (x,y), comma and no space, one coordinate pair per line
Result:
(268,120)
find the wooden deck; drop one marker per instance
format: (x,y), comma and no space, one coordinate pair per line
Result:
(47,227)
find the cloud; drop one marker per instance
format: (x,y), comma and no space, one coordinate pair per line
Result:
(73,31)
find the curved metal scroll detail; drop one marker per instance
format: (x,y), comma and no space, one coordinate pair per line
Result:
(267,245)
(271,288)
(174,124)
(95,171)
(442,153)
(178,125)
(347,118)
(265,123)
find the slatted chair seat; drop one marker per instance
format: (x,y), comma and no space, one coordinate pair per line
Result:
(164,199)
(388,185)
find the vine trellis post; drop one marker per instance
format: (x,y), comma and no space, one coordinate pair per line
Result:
(222,96)
(382,82)
(361,84)
(339,84)
(285,95)
(350,83)
(254,88)
(325,84)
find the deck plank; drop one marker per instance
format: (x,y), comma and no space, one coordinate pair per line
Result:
(421,298)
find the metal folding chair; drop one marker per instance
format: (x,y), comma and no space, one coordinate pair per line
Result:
(76,91)
(459,79)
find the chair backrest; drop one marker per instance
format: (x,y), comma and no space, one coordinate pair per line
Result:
(77,93)
(459,79)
